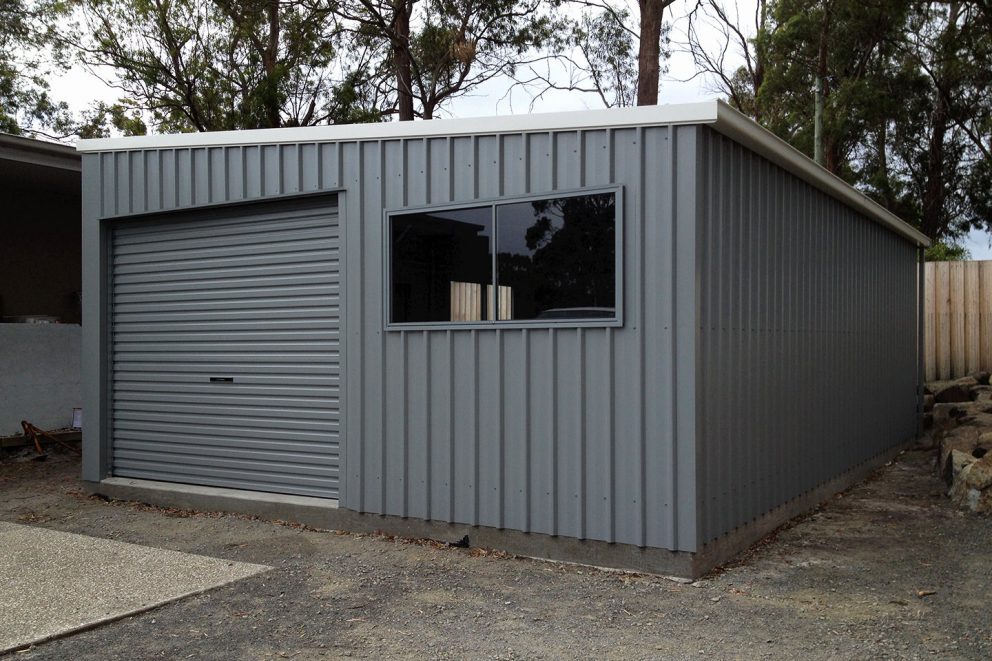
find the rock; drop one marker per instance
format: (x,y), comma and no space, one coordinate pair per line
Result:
(962,440)
(927,390)
(967,492)
(982,378)
(959,461)
(926,441)
(966,381)
(928,402)
(945,413)
(952,394)
(978,474)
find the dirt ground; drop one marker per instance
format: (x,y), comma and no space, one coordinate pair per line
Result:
(845,582)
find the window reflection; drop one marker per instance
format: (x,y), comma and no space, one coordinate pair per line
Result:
(558,257)
(442,265)
(553,259)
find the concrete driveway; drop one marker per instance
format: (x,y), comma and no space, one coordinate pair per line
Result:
(888,570)
(55,583)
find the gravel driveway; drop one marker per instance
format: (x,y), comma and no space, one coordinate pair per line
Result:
(852,580)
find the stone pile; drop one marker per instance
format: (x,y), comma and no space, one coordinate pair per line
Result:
(959,415)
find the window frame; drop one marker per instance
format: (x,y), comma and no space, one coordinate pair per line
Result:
(493,203)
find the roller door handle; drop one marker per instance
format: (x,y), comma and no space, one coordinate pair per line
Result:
(222,379)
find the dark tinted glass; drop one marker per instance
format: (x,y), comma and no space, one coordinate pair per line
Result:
(441,265)
(556,258)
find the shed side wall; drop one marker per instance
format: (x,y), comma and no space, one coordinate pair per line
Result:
(807,338)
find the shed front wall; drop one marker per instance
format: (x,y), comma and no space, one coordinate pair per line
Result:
(125,187)
(580,432)
(807,338)
(559,430)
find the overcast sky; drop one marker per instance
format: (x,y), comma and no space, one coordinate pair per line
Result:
(81,89)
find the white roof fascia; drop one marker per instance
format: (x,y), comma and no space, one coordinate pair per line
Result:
(749,133)
(719,115)
(704,112)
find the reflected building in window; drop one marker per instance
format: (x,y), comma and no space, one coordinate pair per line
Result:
(551,259)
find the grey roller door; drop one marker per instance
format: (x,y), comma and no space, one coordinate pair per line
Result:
(226,349)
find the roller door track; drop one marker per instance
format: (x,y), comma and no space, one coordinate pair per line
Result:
(226,349)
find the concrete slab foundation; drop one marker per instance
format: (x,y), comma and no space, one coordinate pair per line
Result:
(56,583)
(325,513)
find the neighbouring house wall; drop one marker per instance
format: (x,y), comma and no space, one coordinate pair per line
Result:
(39,252)
(807,338)
(39,375)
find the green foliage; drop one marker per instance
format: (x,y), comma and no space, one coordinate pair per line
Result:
(597,48)
(26,104)
(607,45)
(199,65)
(849,43)
(102,118)
(451,46)
(907,114)
(196,65)
(941,251)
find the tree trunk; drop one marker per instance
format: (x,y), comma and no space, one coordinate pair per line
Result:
(881,153)
(818,119)
(649,52)
(933,193)
(270,61)
(401,59)
(933,221)
(760,56)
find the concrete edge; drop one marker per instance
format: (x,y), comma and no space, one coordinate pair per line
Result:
(120,616)
(722,550)
(189,496)
(325,513)
(321,513)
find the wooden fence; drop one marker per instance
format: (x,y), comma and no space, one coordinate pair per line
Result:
(957,320)
(469,304)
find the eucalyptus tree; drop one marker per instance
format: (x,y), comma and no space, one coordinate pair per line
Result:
(26,59)
(201,65)
(440,50)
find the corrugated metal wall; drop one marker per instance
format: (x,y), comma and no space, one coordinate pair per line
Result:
(563,431)
(807,338)
(584,432)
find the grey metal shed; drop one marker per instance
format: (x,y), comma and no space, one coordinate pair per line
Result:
(639,337)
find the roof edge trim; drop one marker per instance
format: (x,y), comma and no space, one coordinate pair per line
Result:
(704,112)
(21,149)
(718,114)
